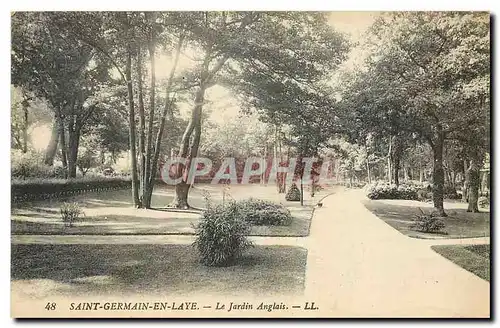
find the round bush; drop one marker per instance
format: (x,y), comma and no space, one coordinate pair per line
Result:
(293,194)
(221,235)
(262,212)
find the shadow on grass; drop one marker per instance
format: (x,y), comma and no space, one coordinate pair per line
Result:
(110,225)
(193,210)
(153,269)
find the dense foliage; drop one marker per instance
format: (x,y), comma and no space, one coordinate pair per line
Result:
(408,190)
(31,165)
(293,193)
(413,107)
(262,212)
(388,191)
(221,235)
(432,222)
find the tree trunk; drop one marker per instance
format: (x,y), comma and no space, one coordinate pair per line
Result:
(152,104)
(50,152)
(182,189)
(454,179)
(368,172)
(263,165)
(74,141)
(142,127)
(473,186)
(389,162)
(421,171)
(446,176)
(465,188)
(159,135)
(301,190)
(181,195)
(195,146)
(368,165)
(132,130)
(25,104)
(283,175)
(438,173)
(485,182)
(396,166)
(102,157)
(62,136)
(275,159)
(396,158)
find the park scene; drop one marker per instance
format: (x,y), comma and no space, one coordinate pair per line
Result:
(341,158)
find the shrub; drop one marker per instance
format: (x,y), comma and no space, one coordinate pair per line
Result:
(355,184)
(423,195)
(293,194)
(221,235)
(70,212)
(262,212)
(387,191)
(26,165)
(31,165)
(432,222)
(454,195)
(483,201)
(57,172)
(449,192)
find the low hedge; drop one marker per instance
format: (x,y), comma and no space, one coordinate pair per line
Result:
(386,191)
(23,190)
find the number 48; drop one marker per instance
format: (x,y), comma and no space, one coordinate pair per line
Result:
(50,306)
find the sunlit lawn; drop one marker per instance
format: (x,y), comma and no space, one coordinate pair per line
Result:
(111,212)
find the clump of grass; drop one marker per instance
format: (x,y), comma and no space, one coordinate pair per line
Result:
(431,223)
(70,212)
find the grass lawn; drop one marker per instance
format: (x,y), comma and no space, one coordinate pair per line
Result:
(108,270)
(111,212)
(473,258)
(399,214)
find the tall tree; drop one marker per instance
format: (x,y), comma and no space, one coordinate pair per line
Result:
(52,65)
(121,37)
(433,64)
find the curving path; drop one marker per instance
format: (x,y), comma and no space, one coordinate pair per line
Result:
(358,266)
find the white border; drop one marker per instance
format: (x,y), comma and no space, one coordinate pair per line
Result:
(373,5)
